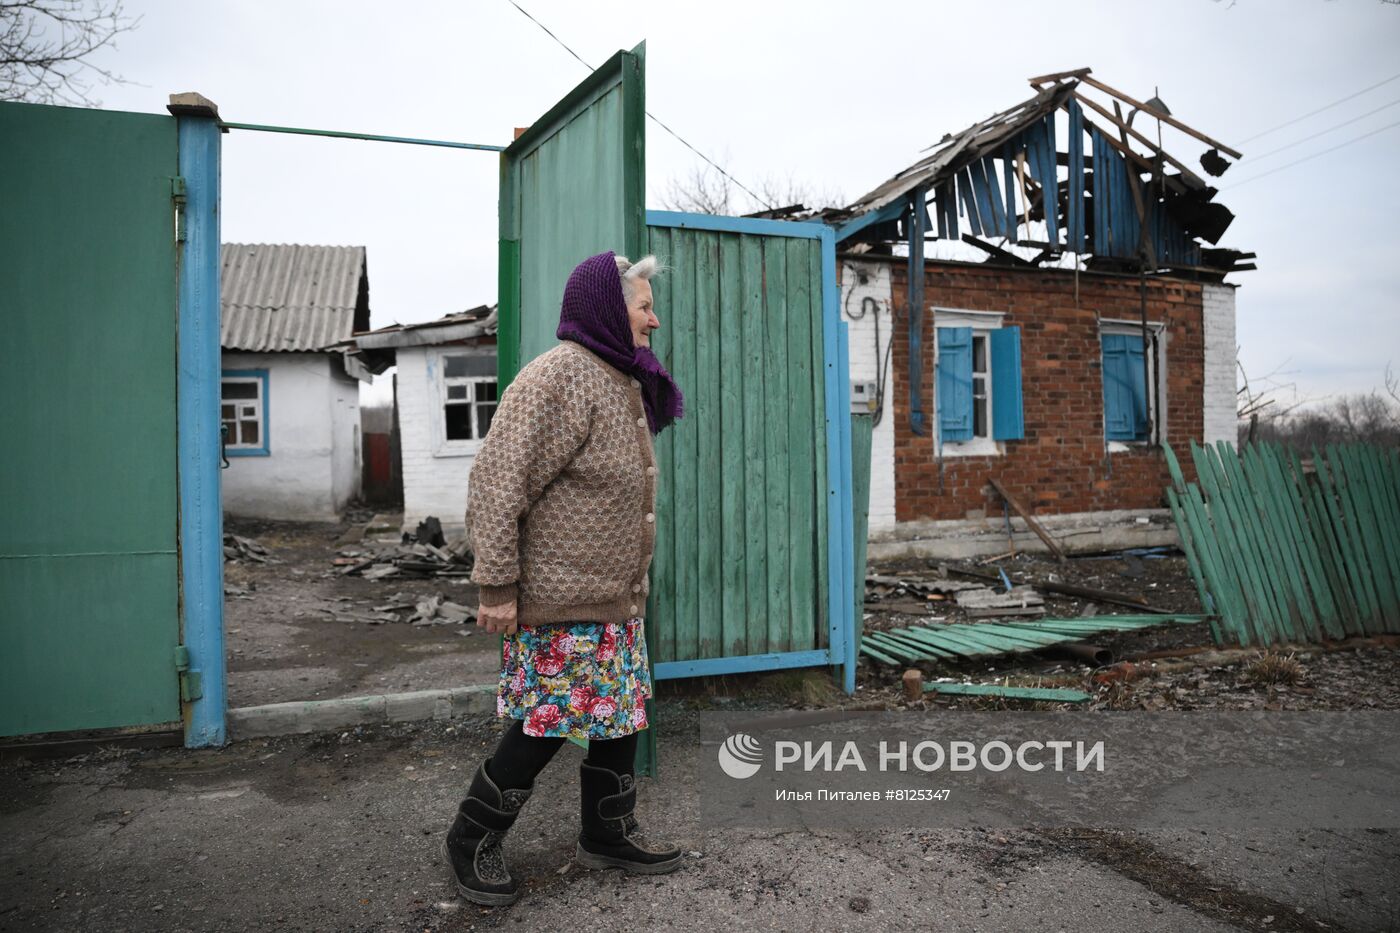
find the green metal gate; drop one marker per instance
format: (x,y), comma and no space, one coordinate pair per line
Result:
(572,186)
(89,574)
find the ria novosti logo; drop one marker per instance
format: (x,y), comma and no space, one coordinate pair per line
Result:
(740,756)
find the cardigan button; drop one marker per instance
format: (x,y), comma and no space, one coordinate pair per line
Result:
(641,422)
(651,471)
(636,587)
(633,610)
(651,516)
(636,384)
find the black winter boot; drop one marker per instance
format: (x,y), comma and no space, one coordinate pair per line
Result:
(473,844)
(610,837)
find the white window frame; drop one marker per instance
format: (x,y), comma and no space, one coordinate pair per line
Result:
(1156,375)
(982,324)
(461,447)
(259,405)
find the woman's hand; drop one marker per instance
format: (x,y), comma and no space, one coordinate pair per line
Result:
(497,618)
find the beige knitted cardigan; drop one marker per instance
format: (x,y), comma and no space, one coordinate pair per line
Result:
(562,497)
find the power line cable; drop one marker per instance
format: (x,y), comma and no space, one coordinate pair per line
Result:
(1368,113)
(654,118)
(1312,113)
(1324,152)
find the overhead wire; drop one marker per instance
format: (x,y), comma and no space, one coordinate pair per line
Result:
(1245,181)
(743,187)
(1265,155)
(1313,113)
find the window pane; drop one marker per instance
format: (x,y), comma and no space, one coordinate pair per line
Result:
(484,414)
(473,365)
(979,417)
(249,411)
(486,391)
(226,412)
(458,421)
(247,432)
(240,390)
(979,354)
(457,392)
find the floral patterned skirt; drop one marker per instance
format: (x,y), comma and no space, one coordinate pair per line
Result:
(579,680)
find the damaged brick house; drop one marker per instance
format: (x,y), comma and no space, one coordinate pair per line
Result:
(1043,280)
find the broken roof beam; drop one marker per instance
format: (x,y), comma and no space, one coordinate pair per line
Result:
(1186,172)
(995,251)
(1164,117)
(1061,75)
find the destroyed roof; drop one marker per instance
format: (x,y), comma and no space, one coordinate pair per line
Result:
(376,347)
(289,297)
(990,180)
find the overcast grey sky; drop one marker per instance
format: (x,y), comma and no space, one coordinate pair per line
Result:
(836,95)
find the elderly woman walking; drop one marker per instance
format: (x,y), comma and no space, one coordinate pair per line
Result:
(561,517)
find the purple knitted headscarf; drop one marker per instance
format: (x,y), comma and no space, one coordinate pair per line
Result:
(594,315)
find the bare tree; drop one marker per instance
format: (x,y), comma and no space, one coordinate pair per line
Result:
(709,191)
(704,191)
(45,47)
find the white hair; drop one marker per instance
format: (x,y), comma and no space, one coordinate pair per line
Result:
(633,272)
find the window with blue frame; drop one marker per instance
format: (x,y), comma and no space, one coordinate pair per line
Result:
(978,385)
(1127,373)
(243,412)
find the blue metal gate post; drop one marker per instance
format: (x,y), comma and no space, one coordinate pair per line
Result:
(201,516)
(840,617)
(848,534)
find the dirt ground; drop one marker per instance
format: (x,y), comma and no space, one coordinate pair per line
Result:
(291,630)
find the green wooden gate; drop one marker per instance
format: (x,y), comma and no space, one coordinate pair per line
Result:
(741,573)
(89,545)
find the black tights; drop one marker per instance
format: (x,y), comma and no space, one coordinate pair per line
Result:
(519,758)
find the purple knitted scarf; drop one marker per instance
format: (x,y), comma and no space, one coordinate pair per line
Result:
(594,315)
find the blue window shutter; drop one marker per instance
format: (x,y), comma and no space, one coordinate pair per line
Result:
(954,384)
(1007,421)
(1124,398)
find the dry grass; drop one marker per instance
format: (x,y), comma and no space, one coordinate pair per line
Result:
(1272,668)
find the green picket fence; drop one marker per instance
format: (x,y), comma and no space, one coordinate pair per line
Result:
(1283,551)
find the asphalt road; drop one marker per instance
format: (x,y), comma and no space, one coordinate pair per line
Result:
(341,832)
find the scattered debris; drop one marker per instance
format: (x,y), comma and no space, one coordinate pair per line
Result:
(985,602)
(407,560)
(1069,589)
(430,532)
(234,591)
(960,641)
(438,610)
(240,548)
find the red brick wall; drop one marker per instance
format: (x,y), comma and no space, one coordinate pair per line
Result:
(1061,465)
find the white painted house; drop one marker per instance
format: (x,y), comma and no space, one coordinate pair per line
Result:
(290,405)
(445,393)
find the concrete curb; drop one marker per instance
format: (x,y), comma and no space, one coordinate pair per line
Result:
(326,715)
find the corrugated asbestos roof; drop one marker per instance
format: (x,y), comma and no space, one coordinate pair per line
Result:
(292,297)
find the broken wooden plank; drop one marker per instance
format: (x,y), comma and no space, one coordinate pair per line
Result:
(998,612)
(1044,694)
(996,252)
(1029,519)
